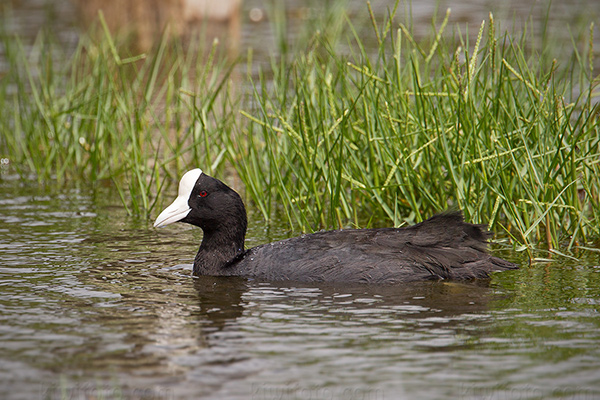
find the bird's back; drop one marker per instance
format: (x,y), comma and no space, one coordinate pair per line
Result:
(442,247)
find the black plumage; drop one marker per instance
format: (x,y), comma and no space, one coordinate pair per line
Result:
(442,247)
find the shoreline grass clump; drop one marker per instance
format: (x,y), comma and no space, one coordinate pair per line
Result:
(342,131)
(399,132)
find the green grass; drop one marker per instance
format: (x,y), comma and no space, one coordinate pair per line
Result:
(98,116)
(340,129)
(403,131)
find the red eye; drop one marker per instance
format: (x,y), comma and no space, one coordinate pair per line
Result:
(203,193)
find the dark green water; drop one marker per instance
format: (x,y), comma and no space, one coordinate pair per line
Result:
(94,305)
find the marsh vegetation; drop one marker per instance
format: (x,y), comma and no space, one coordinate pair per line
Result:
(339,129)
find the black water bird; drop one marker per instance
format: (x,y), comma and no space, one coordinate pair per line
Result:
(442,247)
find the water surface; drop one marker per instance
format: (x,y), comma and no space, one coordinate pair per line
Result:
(94,304)
(564,22)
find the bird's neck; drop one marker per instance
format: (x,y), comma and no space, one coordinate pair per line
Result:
(218,248)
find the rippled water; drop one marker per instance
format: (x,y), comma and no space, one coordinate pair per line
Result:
(94,304)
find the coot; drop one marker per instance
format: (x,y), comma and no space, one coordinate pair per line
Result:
(442,247)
